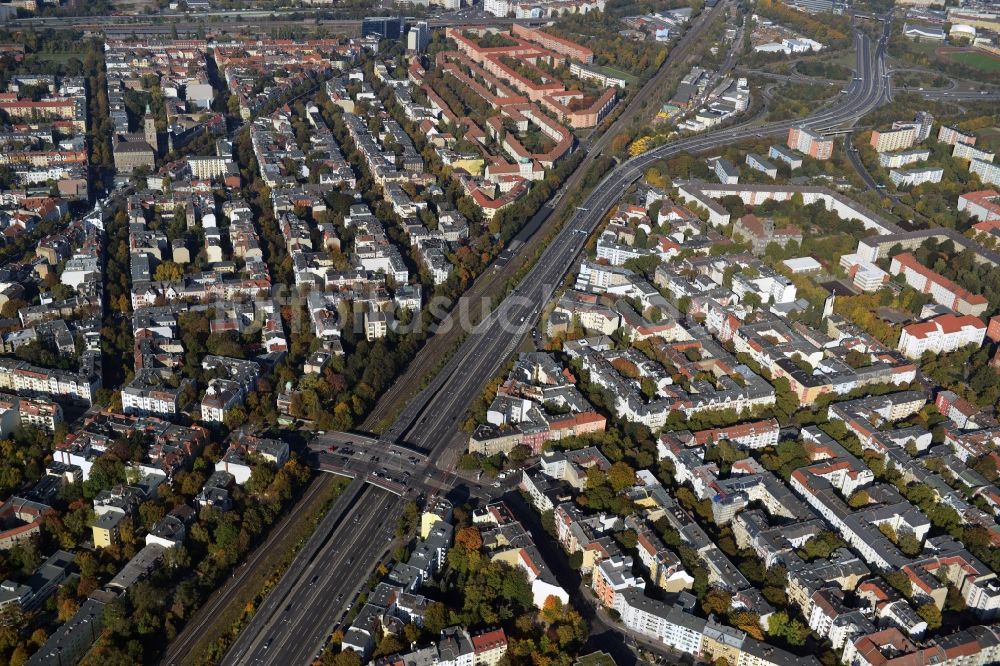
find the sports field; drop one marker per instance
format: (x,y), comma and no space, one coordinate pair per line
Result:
(986,62)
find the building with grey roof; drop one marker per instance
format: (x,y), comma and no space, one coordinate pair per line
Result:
(73,638)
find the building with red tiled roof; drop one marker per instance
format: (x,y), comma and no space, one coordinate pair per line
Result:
(942,334)
(889,647)
(940,288)
(553,43)
(20,519)
(983,205)
(516,65)
(489,647)
(761,232)
(753,435)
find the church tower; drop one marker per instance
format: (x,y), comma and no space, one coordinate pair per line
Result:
(149,130)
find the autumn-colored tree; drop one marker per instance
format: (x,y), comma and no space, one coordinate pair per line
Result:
(552,609)
(469,538)
(716,602)
(858,499)
(748,622)
(168,271)
(67,608)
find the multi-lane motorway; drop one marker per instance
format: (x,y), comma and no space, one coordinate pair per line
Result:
(448,333)
(295,620)
(428,421)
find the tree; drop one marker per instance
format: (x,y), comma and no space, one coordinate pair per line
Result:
(390,644)
(552,609)
(780,625)
(899,581)
(628,539)
(436,618)
(909,544)
(347,658)
(716,602)
(748,622)
(987,467)
(519,454)
(67,608)
(469,538)
(235,417)
(930,614)
(168,271)
(621,476)
(821,546)
(150,513)
(859,499)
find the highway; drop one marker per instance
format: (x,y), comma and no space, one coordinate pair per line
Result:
(948,95)
(448,333)
(293,623)
(398,469)
(297,617)
(429,421)
(181,648)
(956,95)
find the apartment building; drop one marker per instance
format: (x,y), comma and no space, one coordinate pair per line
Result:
(914,177)
(376,324)
(572,107)
(752,435)
(951,136)
(221,396)
(674,626)
(784,155)
(762,232)
(612,577)
(553,43)
(69,109)
(812,144)
(20,519)
(865,275)
(941,289)
(37,413)
(893,140)
(40,585)
(758,163)
(212,166)
(489,647)
(942,334)
(74,638)
(236,460)
(988,172)
(983,205)
(975,646)
(26,379)
(726,171)
(967,151)
(896,160)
